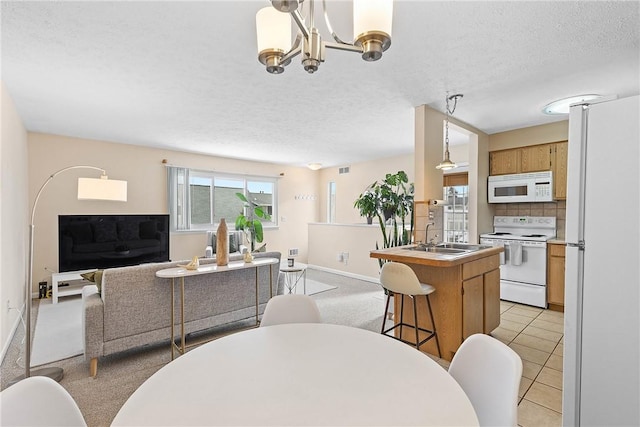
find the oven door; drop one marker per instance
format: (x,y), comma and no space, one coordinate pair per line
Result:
(525,262)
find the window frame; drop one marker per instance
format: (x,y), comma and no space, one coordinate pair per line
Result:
(180,200)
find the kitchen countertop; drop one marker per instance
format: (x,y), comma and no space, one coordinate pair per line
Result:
(433,259)
(556,242)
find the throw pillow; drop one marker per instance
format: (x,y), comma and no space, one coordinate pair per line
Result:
(105,231)
(148,230)
(128,230)
(81,233)
(95,277)
(233,243)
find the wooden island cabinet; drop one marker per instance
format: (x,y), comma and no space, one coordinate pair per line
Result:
(467,296)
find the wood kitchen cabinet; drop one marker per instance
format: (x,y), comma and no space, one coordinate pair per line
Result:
(555,276)
(504,162)
(534,158)
(559,168)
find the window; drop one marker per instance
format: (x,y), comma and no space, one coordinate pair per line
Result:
(456,211)
(331,203)
(199,199)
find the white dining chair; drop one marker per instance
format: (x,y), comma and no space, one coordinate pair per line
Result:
(39,401)
(489,372)
(290,308)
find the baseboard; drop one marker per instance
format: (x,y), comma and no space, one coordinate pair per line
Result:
(14,328)
(345,273)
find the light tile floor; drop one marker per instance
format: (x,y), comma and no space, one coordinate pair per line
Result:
(537,335)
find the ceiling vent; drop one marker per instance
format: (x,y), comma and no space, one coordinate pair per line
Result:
(343,170)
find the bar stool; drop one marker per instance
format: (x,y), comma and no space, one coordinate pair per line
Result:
(399,279)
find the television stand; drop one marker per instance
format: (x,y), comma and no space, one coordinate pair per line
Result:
(73,278)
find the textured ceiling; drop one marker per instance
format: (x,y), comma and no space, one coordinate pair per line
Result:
(185,75)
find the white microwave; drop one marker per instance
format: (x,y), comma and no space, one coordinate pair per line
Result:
(521,187)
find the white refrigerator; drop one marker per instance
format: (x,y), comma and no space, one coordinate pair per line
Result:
(602,333)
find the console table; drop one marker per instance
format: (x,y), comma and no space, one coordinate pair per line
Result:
(67,276)
(181,273)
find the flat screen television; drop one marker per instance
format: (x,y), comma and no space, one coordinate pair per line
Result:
(106,241)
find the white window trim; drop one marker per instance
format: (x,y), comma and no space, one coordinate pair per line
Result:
(185,210)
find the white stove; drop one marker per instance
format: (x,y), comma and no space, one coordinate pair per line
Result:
(523,264)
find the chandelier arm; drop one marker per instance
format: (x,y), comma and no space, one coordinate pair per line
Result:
(291,54)
(343,46)
(329,27)
(299,20)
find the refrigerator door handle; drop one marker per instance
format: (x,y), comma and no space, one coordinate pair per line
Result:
(579,245)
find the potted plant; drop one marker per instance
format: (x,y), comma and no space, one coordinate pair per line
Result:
(391,201)
(251,223)
(367,205)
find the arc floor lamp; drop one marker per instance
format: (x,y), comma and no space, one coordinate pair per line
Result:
(101,188)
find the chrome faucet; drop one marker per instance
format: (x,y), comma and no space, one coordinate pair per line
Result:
(426,235)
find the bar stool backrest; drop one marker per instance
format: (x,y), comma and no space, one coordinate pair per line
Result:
(399,278)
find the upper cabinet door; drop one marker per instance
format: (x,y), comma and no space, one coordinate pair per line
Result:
(559,168)
(536,158)
(504,162)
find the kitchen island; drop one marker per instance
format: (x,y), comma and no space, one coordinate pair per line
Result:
(467,296)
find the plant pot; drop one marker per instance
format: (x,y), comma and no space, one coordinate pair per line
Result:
(369,220)
(388,213)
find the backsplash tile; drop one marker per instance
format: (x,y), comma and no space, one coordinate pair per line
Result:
(556,209)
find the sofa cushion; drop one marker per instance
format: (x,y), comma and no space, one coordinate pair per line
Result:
(128,230)
(105,231)
(81,233)
(95,277)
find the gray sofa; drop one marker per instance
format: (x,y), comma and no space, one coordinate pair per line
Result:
(134,307)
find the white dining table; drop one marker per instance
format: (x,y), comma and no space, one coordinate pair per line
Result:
(300,374)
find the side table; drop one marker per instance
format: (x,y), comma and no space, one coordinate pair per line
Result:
(74,288)
(292,276)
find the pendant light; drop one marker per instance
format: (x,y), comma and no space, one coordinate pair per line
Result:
(447,164)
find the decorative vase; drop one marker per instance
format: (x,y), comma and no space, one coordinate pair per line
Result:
(222,243)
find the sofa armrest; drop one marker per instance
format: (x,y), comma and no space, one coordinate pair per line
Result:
(92,322)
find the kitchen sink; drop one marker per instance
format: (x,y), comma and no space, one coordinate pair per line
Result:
(465,246)
(437,249)
(448,248)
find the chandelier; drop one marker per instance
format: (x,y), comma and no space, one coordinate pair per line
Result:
(371,33)
(447,164)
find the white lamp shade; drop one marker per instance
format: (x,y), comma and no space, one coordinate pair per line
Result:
(372,15)
(274,30)
(102,189)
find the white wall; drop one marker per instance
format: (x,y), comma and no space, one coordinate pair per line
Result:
(350,233)
(350,185)
(13,217)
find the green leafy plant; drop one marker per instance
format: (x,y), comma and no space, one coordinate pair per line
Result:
(251,223)
(367,205)
(391,202)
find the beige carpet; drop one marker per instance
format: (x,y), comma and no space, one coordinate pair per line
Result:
(352,303)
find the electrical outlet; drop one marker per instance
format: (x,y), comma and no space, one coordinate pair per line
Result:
(339,257)
(293,252)
(8,306)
